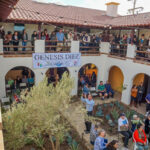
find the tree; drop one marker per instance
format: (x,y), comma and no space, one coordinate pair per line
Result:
(41,115)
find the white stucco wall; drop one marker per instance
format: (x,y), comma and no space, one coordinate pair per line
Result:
(103,63)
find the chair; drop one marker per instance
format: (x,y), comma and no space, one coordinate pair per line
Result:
(135,145)
(93,91)
(23,85)
(5,102)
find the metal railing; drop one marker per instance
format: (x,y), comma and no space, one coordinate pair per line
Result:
(89,48)
(53,46)
(19,47)
(143,53)
(118,50)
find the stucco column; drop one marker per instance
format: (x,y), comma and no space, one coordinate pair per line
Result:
(39,46)
(126,93)
(105,47)
(73,71)
(131,51)
(1,45)
(39,75)
(75,46)
(2,85)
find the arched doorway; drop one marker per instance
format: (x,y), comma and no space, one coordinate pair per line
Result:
(55,74)
(87,74)
(17,79)
(144,80)
(116,79)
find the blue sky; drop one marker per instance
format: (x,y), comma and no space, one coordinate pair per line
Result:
(100,4)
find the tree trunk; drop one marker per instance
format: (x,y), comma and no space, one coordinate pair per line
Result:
(53,145)
(57,144)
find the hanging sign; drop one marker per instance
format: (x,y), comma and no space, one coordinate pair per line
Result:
(55,60)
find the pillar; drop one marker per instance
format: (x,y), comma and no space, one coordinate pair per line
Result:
(126,93)
(39,46)
(39,75)
(1,45)
(73,71)
(2,86)
(131,51)
(105,47)
(75,46)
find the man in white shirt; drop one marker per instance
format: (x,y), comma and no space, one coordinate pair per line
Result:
(123,128)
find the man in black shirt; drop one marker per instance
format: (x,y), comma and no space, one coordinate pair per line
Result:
(140,93)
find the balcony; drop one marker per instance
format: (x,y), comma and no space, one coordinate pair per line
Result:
(89,48)
(118,50)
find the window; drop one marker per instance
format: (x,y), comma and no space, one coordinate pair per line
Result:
(19,27)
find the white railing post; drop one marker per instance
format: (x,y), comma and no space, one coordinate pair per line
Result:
(105,47)
(39,46)
(1,45)
(75,46)
(131,51)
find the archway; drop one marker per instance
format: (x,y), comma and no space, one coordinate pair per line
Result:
(143,79)
(17,79)
(87,74)
(116,79)
(55,74)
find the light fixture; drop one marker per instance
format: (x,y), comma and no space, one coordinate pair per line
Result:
(85,22)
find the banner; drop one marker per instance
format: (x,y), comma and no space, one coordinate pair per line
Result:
(55,60)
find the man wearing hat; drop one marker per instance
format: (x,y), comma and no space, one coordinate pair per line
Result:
(123,128)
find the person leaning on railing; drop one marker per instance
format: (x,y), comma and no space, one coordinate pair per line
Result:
(60,39)
(24,38)
(7,40)
(15,39)
(34,37)
(142,44)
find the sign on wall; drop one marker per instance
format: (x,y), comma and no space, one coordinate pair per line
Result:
(55,60)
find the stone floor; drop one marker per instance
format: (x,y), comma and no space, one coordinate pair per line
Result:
(77,121)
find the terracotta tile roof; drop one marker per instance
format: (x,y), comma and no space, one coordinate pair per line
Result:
(50,13)
(142,19)
(31,11)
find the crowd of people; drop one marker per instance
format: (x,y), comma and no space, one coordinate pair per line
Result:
(60,38)
(15,84)
(138,130)
(137,95)
(103,90)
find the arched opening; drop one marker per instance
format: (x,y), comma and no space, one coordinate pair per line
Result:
(87,74)
(116,79)
(17,79)
(55,74)
(142,83)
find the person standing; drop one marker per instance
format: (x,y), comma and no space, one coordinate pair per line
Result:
(7,40)
(24,39)
(15,39)
(60,39)
(140,93)
(34,37)
(147,126)
(134,91)
(147,98)
(93,134)
(89,102)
